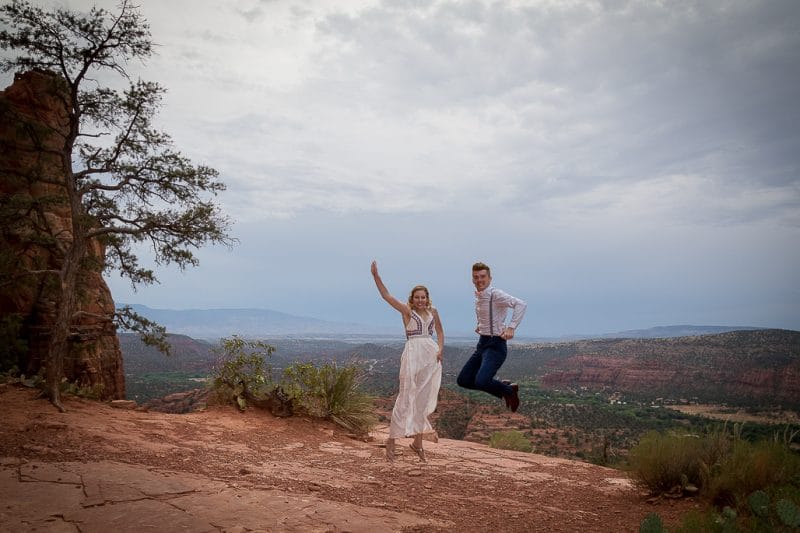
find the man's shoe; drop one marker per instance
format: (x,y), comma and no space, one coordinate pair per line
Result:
(513,399)
(505,382)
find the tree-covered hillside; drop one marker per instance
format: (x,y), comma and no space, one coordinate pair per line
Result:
(721,368)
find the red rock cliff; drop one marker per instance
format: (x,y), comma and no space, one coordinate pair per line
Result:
(758,366)
(33,125)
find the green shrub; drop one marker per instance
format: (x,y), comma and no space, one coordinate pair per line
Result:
(510,440)
(240,372)
(752,467)
(333,393)
(242,376)
(757,485)
(662,462)
(90,392)
(454,420)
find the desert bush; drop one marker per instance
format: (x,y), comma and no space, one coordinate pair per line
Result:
(242,376)
(750,467)
(510,440)
(90,392)
(661,462)
(756,485)
(240,372)
(331,392)
(453,420)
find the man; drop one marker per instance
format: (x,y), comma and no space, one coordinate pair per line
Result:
(491,308)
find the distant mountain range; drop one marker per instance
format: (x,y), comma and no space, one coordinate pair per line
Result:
(216,323)
(658,332)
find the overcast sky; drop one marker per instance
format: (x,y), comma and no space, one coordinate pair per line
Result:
(619,164)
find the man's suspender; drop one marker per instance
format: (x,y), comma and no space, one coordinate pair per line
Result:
(491,314)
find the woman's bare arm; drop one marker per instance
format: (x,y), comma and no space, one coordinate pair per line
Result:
(437,324)
(386,295)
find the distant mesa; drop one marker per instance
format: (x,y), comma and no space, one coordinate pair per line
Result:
(216,323)
(657,332)
(676,331)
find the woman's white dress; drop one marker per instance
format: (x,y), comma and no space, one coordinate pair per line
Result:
(420,378)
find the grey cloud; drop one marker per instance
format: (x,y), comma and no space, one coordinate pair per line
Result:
(561,97)
(701,94)
(647,148)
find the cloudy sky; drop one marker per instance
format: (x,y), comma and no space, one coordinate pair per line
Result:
(619,164)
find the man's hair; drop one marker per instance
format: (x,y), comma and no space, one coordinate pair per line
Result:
(482,266)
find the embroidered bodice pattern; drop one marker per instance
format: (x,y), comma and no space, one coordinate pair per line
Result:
(419,329)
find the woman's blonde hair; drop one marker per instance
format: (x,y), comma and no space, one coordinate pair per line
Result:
(415,289)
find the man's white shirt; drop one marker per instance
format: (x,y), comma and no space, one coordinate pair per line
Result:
(501,302)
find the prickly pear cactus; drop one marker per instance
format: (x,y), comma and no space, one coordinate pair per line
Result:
(759,504)
(652,523)
(788,512)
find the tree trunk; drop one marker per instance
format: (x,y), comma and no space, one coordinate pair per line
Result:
(67,305)
(69,277)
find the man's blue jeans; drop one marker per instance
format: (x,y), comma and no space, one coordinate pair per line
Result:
(479,371)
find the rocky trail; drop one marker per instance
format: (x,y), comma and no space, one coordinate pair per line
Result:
(97,468)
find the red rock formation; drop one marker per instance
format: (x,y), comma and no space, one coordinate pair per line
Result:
(761,366)
(33,126)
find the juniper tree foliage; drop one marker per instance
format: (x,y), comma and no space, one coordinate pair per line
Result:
(124,181)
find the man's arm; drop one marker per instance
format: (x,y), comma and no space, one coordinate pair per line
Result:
(518,308)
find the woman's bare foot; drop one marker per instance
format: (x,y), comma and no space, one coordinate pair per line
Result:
(419,451)
(390,450)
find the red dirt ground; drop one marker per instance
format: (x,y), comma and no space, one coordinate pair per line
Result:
(222,470)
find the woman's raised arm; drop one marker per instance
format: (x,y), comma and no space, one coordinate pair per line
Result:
(386,295)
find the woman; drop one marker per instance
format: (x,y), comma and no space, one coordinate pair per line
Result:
(420,367)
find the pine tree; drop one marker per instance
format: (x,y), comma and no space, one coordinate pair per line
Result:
(124,182)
